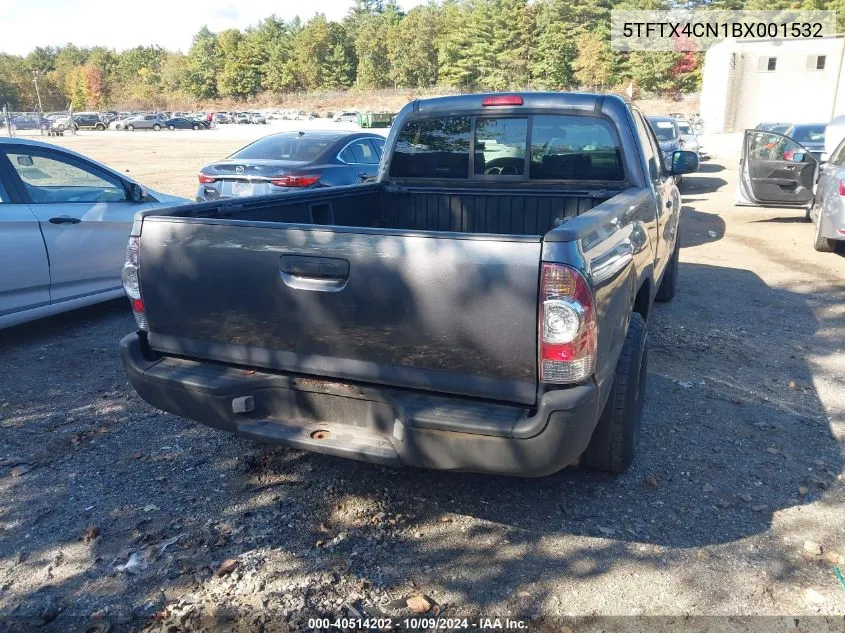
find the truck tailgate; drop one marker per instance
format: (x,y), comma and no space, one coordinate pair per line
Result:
(448,312)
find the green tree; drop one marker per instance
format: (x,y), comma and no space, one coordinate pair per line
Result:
(371,36)
(41,59)
(174,73)
(652,70)
(204,63)
(462,48)
(340,65)
(243,59)
(555,49)
(312,48)
(511,36)
(411,50)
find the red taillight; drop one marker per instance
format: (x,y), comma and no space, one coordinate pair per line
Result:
(841,188)
(131,278)
(502,100)
(294,181)
(567,329)
(205,179)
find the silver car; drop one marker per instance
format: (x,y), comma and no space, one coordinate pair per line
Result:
(828,210)
(777,171)
(347,117)
(64,225)
(145,122)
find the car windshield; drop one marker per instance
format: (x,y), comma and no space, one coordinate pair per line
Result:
(664,130)
(685,128)
(294,147)
(808,133)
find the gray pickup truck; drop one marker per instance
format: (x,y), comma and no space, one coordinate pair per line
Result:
(477,310)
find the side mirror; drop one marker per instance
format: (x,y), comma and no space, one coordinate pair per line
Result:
(798,157)
(684,162)
(137,193)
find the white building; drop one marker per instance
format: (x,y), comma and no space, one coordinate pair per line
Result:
(778,80)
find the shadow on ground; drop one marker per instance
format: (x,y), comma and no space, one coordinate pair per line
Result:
(726,443)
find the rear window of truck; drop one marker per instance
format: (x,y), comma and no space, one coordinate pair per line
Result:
(522,148)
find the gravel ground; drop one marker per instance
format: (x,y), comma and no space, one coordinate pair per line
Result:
(113,513)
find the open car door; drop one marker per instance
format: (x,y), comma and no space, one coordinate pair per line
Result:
(775,171)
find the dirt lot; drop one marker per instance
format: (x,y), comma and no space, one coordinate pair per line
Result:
(113,511)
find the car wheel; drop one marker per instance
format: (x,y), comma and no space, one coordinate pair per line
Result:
(666,291)
(821,243)
(171,127)
(131,128)
(196,127)
(614,443)
(99,127)
(157,127)
(807,216)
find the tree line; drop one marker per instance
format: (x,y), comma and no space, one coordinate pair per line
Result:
(460,44)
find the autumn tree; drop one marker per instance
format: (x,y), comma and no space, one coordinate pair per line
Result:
(593,65)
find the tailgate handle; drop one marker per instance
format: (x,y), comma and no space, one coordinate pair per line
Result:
(326,274)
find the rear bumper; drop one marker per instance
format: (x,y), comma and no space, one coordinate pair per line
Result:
(367,422)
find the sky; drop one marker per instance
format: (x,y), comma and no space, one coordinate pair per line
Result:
(25,24)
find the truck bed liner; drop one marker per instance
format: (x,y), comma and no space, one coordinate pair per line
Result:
(491,211)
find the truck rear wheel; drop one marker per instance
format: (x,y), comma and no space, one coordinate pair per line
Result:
(614,442)
(666,291)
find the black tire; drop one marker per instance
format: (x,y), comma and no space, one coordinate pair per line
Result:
(807,215)
(821,243)
(666,291)
(157,127)
(99,127)
(614,443)
(196,127)
(130,128)
(171,127)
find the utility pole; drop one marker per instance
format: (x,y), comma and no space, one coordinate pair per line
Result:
(37,94)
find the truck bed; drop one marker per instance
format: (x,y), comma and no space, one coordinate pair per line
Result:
(487,211)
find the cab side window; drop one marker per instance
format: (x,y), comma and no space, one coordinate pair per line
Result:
(651,150)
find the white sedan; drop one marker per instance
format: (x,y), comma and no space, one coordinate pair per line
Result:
(64,225)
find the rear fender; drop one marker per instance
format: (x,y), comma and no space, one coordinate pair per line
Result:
(611,245)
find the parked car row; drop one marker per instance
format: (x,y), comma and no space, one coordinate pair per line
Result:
(159,121)
(674,132)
